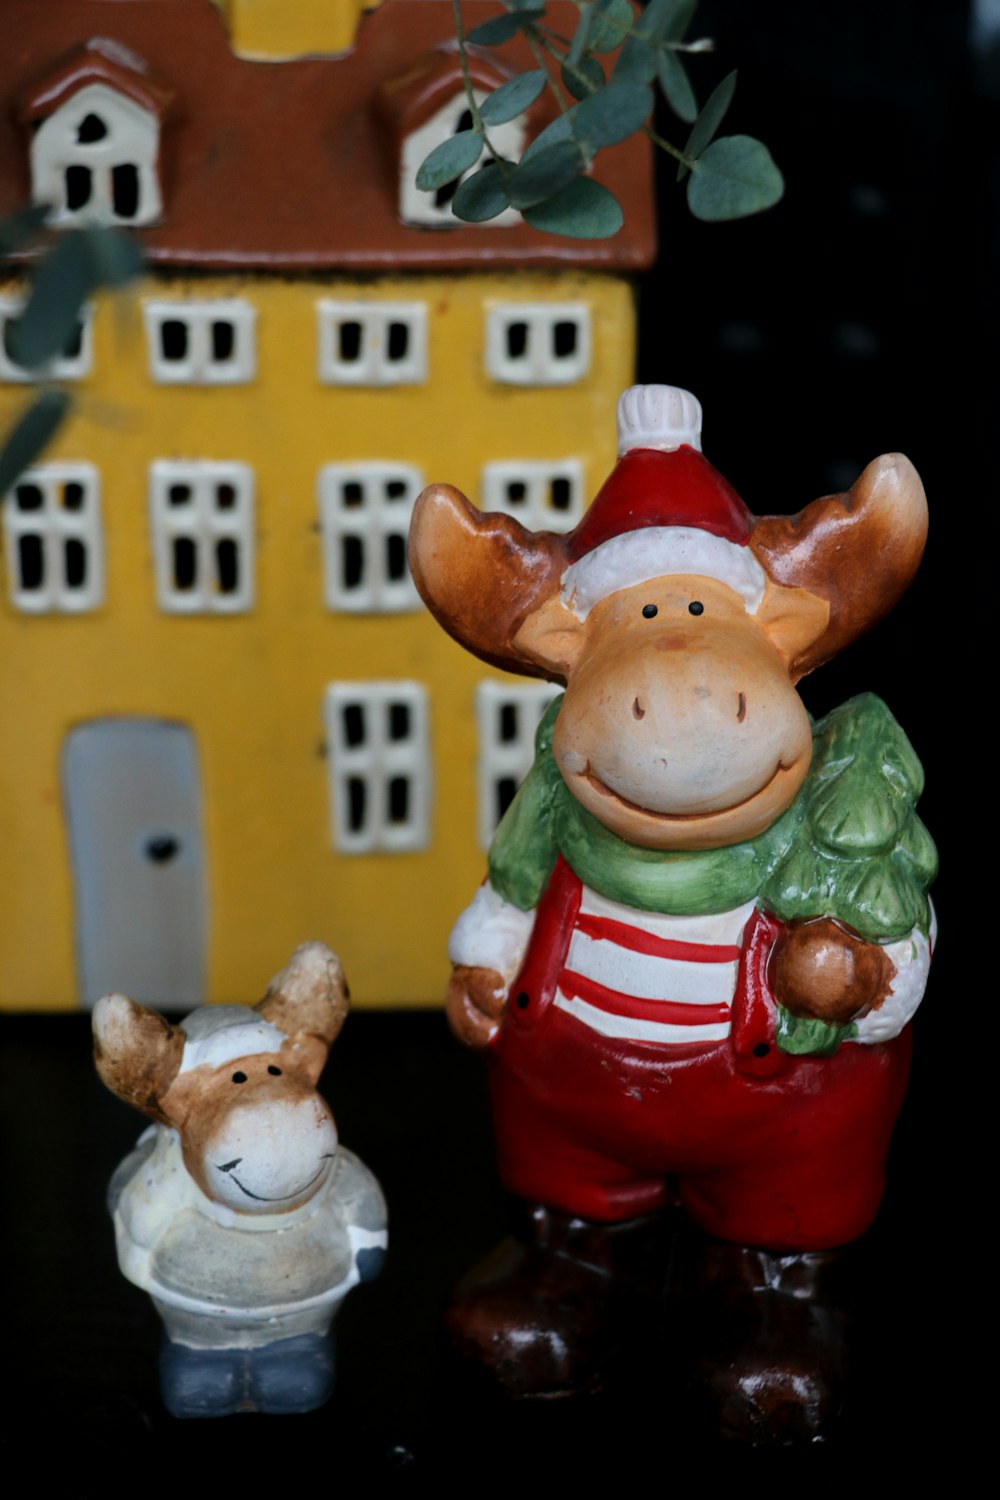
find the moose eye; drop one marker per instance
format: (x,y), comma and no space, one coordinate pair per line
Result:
(274,1072)
(649,611)
(696,607)
(239,1078)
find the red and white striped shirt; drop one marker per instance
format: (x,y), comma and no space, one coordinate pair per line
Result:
(649,977)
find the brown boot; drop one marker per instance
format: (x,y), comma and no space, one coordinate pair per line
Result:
(552,1310)
(771,1332)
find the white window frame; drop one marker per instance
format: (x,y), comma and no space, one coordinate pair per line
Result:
(373,367)
(61,367)
(132,138)
(371,522)
(199,367)
(539,364)
(421,208)
(501,759)
(376,763)
(535,510)
(205,524)
(55,526)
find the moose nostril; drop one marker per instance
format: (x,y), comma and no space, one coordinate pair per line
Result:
(638,712)
(227,1166)
(741,710)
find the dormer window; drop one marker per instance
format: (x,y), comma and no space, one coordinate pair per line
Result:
(94,158)
(416,207)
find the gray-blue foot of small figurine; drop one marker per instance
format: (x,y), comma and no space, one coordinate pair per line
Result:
(292,1375)
(204,1382)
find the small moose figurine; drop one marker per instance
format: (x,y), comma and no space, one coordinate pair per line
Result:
(238,1211)
(705,927)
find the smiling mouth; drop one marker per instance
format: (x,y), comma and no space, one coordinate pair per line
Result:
(285,1197)
(605,791)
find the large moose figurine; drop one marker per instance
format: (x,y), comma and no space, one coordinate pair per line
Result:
(705,926)
(238,1211)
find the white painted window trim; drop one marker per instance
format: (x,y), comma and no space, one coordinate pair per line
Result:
(539,364)
(132,139)
(202,522)
(536,510)
(376,762)
(499,758)
(371,523)
(55,526)
(62,367)
(199,367)
(373,367)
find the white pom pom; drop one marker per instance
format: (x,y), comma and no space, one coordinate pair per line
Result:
(658,416)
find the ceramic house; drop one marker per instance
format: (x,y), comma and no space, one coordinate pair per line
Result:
(227,723)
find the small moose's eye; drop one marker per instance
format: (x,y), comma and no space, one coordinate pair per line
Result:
(275,1072)
(649,611)
(696,607)
(239,1078)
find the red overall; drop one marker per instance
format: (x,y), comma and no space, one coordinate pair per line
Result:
(768,1149)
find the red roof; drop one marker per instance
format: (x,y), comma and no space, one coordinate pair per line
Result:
(289,165)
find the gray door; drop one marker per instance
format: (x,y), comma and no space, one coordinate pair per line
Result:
(133,804)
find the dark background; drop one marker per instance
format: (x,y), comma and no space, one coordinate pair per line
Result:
(844,323)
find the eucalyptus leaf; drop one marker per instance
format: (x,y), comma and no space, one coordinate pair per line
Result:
(560,130)
(545,174)
(637,63)
(115,258)
(612,24)
(611,115)
(16,229)
(676,87)
(584,79)
(513,97)
(734,177)
(449,160)
(711,117)
(481,196)
(30,434)
(63,281)
(667,20)
(582,211)
(501,28)
(581,35)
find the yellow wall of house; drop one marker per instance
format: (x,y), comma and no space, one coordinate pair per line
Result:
(276,29)
(251,686)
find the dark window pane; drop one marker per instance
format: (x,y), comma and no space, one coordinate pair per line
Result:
(399,721)
(225,496)
(91,128)
(173,339)
(78,187)
(227,565)
(355,804)
(73,346)
(354,724)
(73,496)
(352,494)
(564,340)
(464,122)
(505,788)
(353,557)
(28,497)
(350,342)
(185,563)
(223,341)
(443,195)
(399,799)
(395,557)
(508,722)
(517,340)
(561,494)
(30,562)
(179,494)
(125,190)
(75,561)
(516,492)
(399,341)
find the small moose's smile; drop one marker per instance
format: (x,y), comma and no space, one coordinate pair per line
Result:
(649,812)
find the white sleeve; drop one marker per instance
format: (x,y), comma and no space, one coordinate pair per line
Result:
(491,934)
(912,957)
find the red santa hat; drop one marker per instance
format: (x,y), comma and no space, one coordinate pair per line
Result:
(664,509)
